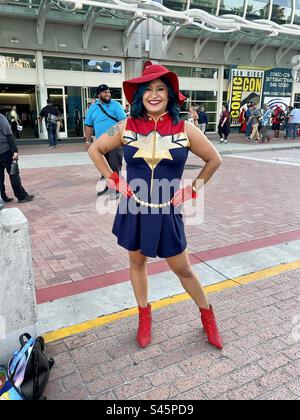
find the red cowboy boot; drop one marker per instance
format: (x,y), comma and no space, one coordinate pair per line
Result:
(211,328)
(145,326)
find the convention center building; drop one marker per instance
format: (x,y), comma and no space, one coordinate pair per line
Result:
(225,51)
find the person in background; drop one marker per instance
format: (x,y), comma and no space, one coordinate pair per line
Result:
(193,116)
(249,124)
(34,123)
(224,124)
(24,118)
(59,126)
(14,121)
(288,126)
(8,155)
(202,119)
(77,119)
(295,122)
(266,124)
(255,118)
(242,120)
(101,116)
(127,110)
(51,115)
(278,116)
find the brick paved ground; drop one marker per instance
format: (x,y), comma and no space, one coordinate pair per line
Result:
(246,200)
(260,360)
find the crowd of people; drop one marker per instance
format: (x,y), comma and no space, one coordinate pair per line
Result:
(258,124)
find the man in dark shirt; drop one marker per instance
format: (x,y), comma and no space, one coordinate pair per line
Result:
(203,119)
(9,154)
(249,123)
(50,113)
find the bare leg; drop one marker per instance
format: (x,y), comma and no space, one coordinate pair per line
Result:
(181,266)
(138,273)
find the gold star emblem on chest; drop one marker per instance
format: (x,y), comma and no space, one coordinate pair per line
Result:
(153,148)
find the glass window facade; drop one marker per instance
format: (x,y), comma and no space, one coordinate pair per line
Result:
(17,61)
(209,6)
(60,63)
(207,99)
(77,64)
(195,72)
(258,9)
(297,13)
(226,74)
(297,100)
(176,4)
(225,98)
(282,11)
(297,76)
(102,66)
(74,111)
(233,7)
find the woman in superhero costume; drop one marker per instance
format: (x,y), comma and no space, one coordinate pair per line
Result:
(148,221)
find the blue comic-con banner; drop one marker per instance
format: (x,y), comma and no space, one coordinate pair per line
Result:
(278,87)
(278,82)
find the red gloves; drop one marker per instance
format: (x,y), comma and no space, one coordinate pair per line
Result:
(182,195)
(120,185)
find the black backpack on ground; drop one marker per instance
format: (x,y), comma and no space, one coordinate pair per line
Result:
(29,369)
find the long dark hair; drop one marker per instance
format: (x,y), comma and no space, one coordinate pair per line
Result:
(138,110)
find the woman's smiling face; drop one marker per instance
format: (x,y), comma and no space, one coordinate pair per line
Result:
(156,98)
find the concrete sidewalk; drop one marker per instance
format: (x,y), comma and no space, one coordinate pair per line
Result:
(261,358)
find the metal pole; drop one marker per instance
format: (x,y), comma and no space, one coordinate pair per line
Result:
(294,7)
(245,9)
(271,9)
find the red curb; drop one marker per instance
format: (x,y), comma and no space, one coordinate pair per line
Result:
(247,246)
(49,294)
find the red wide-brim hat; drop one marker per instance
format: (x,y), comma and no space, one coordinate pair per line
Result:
(152,72)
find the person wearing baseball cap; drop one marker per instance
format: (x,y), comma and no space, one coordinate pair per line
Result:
(51,115)
(149,222)
(102,116)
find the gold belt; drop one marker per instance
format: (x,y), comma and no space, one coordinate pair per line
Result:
(151,205)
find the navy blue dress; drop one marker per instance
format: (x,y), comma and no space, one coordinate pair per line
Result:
(155,153)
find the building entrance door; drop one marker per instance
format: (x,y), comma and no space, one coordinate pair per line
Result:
(57,94)
(18,104)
